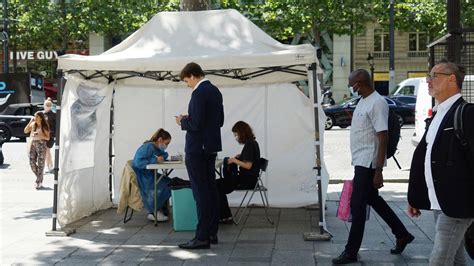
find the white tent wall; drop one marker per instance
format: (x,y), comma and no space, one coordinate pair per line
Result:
(280,115)
(83,184)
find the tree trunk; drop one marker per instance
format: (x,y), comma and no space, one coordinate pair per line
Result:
(194,5)
(65,39)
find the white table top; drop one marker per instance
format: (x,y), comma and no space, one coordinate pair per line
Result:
(176,165)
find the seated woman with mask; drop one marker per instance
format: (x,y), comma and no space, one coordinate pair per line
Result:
(150,152)
(241,171)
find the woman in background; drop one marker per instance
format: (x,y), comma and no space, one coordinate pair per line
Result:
(150,152)
(240,171)
(39,134)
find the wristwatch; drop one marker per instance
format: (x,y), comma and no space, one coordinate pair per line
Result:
(379,169)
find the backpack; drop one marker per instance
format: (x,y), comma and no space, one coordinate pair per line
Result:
(458,123)
(393,134)
(459,133)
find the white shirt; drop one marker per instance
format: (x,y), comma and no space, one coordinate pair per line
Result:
(199,83)
(442,109)
(370,116)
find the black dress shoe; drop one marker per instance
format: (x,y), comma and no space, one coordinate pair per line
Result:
(344,258)
(214,240)
(401,244)
(196,244)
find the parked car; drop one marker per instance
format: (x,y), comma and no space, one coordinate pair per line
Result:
(341,115)
(410,86)
(14,119)
(424,105)
(406,99)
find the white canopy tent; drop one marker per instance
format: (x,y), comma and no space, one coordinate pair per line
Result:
(138,78)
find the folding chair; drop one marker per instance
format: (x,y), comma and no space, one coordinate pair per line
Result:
(258,187)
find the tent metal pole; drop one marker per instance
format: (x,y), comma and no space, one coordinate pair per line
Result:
(322,234)
(54,231)
(111,155)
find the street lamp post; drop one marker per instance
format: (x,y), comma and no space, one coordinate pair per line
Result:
(370,60)
(5,36)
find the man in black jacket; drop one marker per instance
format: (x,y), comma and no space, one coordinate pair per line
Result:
(203,140)
(442,170)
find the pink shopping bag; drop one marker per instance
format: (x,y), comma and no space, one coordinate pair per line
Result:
(344,209)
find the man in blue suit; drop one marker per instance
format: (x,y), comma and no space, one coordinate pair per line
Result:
(203,140)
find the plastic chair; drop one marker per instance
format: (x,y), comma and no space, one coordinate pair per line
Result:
(258,187)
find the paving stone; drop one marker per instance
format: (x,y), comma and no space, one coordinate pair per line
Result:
(328,262)
(156,261)
(292,257)
(289,227)
(367,256)
(248,263)
(252,251)
(146,239)
(292,242)
(417,262)
(262,234)
(78,261)
(327,250)
(298,214)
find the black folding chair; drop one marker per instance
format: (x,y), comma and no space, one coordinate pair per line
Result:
(258,187)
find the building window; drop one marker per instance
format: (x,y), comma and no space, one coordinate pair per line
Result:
(381,41)
(417,42)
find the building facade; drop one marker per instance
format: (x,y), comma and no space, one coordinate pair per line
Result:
(411,57)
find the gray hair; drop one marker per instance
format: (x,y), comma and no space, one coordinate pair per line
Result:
(456,69)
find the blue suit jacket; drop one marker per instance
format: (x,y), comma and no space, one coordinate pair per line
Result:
(204,121)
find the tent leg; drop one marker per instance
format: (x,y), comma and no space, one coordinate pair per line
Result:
(54,231)
(111,155)
(323,234)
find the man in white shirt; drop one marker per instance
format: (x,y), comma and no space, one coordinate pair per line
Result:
(368,148)
(442,170)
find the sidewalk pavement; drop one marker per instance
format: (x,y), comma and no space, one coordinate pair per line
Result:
(25,216)
(103,238)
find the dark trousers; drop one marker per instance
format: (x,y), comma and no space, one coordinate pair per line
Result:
(232,180)
(364,193)
(202,177)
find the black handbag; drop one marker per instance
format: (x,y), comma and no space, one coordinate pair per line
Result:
(469,241)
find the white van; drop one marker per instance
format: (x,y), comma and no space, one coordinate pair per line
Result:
(409,86)
(423,108)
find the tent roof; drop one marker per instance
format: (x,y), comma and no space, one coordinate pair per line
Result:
(216,39)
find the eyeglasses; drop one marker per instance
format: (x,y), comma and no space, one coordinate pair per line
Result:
(431,76)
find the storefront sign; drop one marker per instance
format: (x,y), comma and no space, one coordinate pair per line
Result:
(34,55)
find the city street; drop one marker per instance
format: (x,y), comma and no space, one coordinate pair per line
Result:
(104,239)
(338,159)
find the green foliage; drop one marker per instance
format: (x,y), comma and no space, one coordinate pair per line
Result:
(54,24)
(50,24)
(420,15)
(285,19)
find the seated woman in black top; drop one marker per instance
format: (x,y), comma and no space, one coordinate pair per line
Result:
(241,171)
